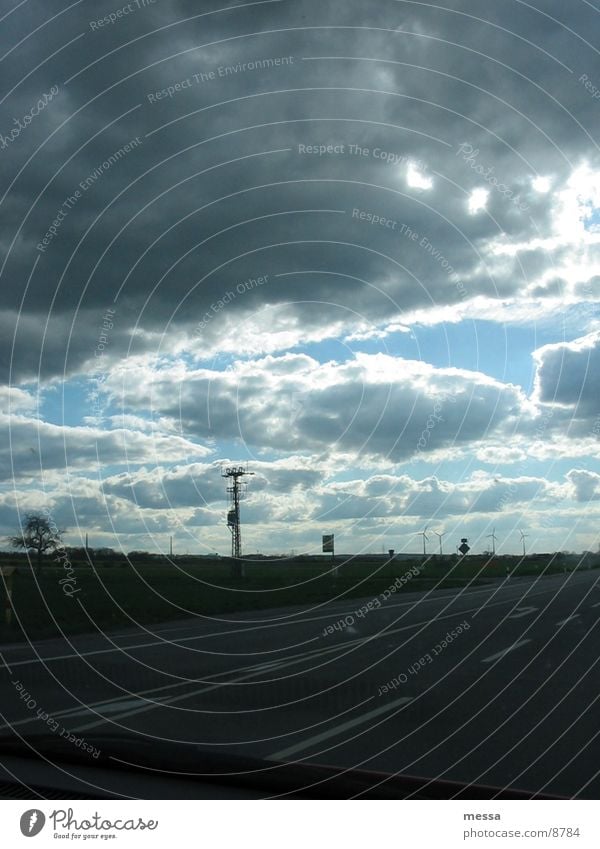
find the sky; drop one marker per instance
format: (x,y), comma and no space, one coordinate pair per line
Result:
(352,246)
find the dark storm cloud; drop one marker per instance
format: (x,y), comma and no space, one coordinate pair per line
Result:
(150,192)
(211,187)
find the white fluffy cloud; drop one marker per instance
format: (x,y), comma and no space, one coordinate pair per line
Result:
(32,448)
(568,373)
(371,406)
(288,504)
(586,484)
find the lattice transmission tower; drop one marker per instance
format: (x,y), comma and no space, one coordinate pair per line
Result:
(235,490)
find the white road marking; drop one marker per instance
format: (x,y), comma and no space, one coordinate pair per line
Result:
(113,707)
(522,611)
(260,624)
(597,604)
(176,643)
(568,619)
(284,754)
(99,706)
(504,652)
(166,702)
(292,660)
(231,634)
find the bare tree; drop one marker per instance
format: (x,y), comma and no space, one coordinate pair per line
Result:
(37,534)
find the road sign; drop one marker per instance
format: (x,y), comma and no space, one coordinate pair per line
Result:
(328,543)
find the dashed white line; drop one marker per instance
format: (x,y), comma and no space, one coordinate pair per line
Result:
(166,701)
(116,706)
(568,619)
(154,700)
(522,611)
(154,644)
(504,652)
(284,754)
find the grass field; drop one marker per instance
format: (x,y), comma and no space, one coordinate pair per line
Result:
(118,594)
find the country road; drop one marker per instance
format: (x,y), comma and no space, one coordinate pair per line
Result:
(511,698)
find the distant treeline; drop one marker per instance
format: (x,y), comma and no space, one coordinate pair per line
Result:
(79,554)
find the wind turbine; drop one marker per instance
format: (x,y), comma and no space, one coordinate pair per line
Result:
(439,536)
(493,537)
(523,538)
(425,539)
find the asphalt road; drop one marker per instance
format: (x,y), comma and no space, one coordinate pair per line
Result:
(512,699)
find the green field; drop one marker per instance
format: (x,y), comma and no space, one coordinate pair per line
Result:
(117,594)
